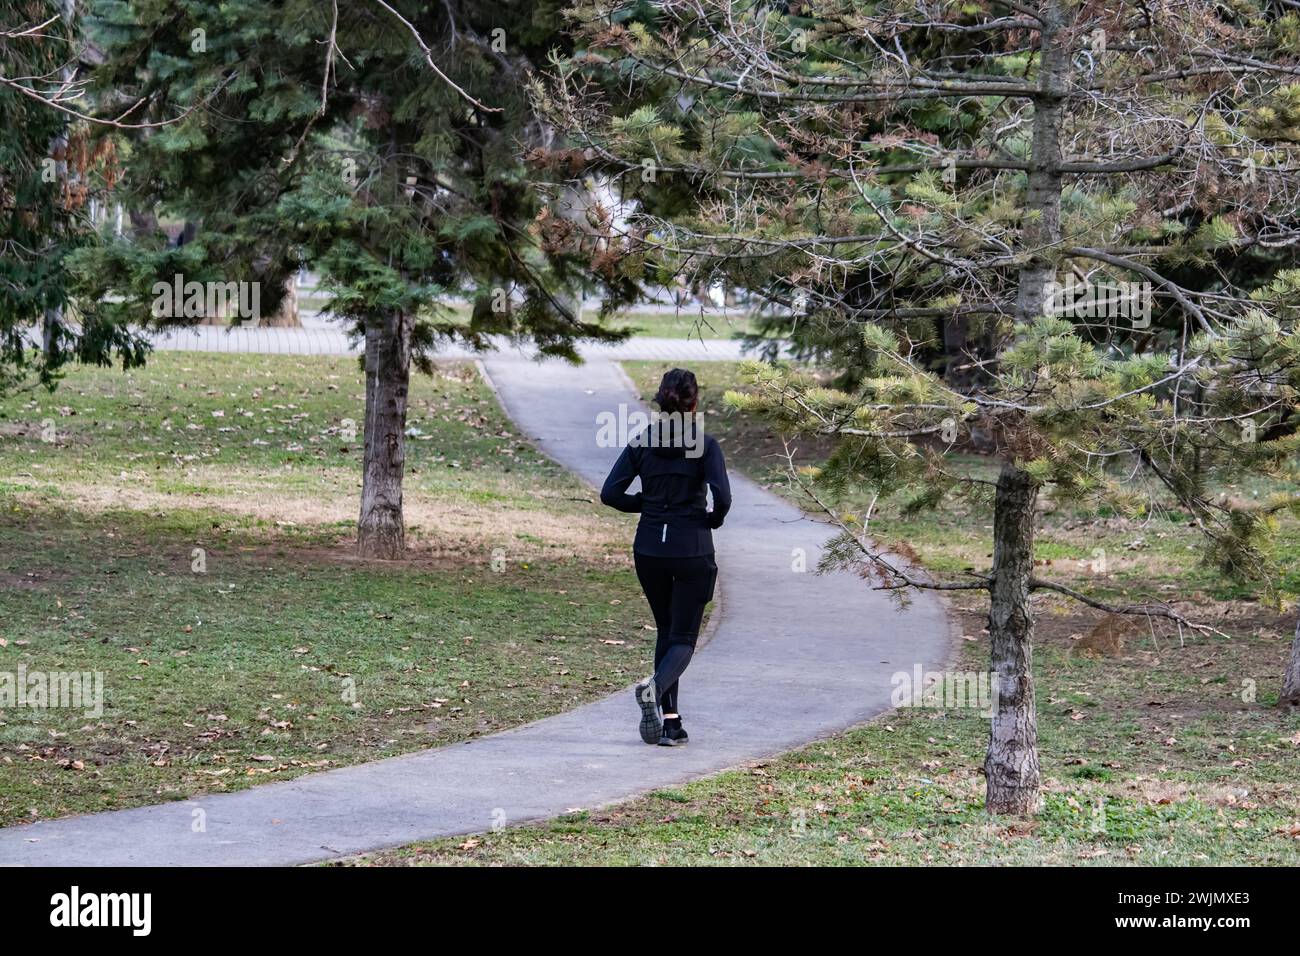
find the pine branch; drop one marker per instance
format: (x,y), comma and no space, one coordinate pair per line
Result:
(1148,610)
(428,58)
(905,580)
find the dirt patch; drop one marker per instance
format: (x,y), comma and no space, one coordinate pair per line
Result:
(19,429)
(31,579)
(420,556)
(441,532)
(1203,670)
(1161,792)
(1063,623)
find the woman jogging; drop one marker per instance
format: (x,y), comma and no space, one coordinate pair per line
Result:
(673,550)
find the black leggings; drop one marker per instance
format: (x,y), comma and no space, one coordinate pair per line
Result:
(677,589)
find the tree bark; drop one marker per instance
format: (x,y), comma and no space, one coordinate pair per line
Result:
(143,224)
(1290,696)
(381,532)
(53,319)
(287,315)
(50,334)
(1042,231)
(1011,766)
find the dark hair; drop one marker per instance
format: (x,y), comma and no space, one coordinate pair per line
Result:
(677,391)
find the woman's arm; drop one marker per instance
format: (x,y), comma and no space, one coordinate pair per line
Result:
(715,473)
(614,493)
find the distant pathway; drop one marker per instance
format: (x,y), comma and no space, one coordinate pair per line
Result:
(795,657)
(318,339)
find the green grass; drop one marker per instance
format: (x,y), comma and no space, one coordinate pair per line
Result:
(227,424)
(208,575)
(1169,753)
(688,323)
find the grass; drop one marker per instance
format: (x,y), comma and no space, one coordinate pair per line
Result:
(185,531)
(690,322)
(1184,778)
(1167,751)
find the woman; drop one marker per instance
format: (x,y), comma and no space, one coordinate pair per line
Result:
(673,550)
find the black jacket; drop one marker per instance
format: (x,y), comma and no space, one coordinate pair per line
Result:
(675,521)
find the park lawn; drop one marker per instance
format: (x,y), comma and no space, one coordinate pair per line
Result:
(690,322)
(1166,751)
(1143,764)
(186,532)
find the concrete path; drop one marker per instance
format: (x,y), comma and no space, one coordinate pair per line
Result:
(331,340)
(795,657)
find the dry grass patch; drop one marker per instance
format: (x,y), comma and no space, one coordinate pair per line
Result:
(454,528)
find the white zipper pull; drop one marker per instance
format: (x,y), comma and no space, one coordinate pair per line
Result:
(665,534)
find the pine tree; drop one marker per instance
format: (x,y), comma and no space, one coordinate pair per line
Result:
(380,143)
(923,184)
(49,171)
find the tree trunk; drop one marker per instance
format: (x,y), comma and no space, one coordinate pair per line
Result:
(143,224)
(956,370)
(1011,767)
(53,319)
(380,531)
(1291,679)
(50,334)
(287,316)
(1041,230)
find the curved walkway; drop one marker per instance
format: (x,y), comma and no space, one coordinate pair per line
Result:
(329,339)
(795,657)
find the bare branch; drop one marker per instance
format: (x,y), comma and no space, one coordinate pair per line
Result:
(428,58)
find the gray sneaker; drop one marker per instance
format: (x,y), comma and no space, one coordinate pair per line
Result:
(647,698)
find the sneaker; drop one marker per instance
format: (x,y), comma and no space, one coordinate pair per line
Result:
(674,734)
(647,698)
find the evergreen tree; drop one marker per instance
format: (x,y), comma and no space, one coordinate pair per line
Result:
(378,142)
(1060,231)
(49,171)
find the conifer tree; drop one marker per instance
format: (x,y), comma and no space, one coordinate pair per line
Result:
(1058,231)
(380,143)
(50,169)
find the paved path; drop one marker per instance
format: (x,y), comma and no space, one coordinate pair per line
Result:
(330,340)
(795,657)
(320,335)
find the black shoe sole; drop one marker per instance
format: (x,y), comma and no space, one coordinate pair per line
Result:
(652,725)
(666,741)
